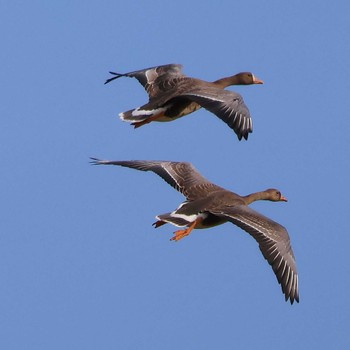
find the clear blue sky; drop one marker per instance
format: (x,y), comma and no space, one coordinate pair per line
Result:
(81,266)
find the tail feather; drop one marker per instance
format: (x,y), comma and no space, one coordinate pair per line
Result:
(139,114)
(129,117)
(170,219)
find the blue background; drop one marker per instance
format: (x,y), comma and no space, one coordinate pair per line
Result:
(80,265)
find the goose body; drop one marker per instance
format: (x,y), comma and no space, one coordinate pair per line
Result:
(208,205)
(173,95)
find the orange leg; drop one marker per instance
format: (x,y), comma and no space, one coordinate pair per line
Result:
(183,233)
(148,120)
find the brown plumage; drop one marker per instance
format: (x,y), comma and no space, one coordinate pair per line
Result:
(208,205)
(173,95)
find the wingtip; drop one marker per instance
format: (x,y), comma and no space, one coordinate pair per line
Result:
(292,299)
(242,136)
(95,161)
(292,295)
(116,76)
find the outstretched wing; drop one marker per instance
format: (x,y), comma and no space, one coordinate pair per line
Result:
(153,79)
(227,105)
(180,175)
(274,243)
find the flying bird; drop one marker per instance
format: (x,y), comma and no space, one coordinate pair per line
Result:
(208,205)
(173,95)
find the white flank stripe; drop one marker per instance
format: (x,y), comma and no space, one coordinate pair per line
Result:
(138,111)
(189,218)
(169,222)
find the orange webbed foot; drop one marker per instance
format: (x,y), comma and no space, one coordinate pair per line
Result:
(180,234)
(183,233)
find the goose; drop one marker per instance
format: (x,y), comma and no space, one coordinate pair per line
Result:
(208,205)
(173,95)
